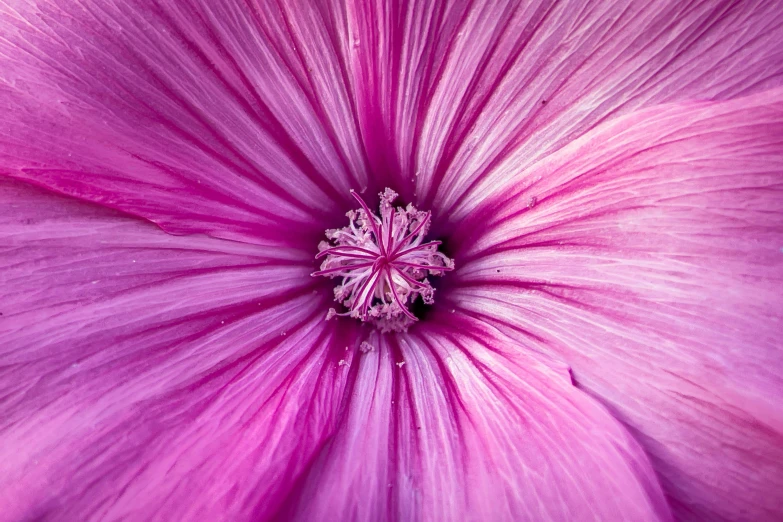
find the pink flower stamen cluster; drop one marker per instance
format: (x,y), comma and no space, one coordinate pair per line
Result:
(383,263)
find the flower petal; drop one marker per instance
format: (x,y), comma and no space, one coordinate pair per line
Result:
(463,94)
(648,256)
(451,424)
(148,376)
(203,116)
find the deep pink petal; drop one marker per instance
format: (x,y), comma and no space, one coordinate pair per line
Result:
(454,424)
(147,376)
(647,255)
(221,117)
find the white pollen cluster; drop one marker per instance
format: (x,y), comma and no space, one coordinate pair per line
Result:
(383,263)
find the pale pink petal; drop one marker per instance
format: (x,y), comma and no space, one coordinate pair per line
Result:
(455,96)
(145,376)
(648,255)
(204,116)
(453,423)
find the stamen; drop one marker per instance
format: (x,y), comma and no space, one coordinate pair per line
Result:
(383,263)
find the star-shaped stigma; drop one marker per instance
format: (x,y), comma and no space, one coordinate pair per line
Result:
(383,263)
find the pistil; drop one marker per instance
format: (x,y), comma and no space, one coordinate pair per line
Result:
(383,262)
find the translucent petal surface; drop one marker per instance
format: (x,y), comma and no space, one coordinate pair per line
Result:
(521,80)
(454,423)
(232,115)
(147,376)
(452,97)
(201,116)
(647,255)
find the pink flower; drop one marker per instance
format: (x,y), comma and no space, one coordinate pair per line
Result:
(607,177)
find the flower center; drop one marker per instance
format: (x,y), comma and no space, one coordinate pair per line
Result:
(383,262)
